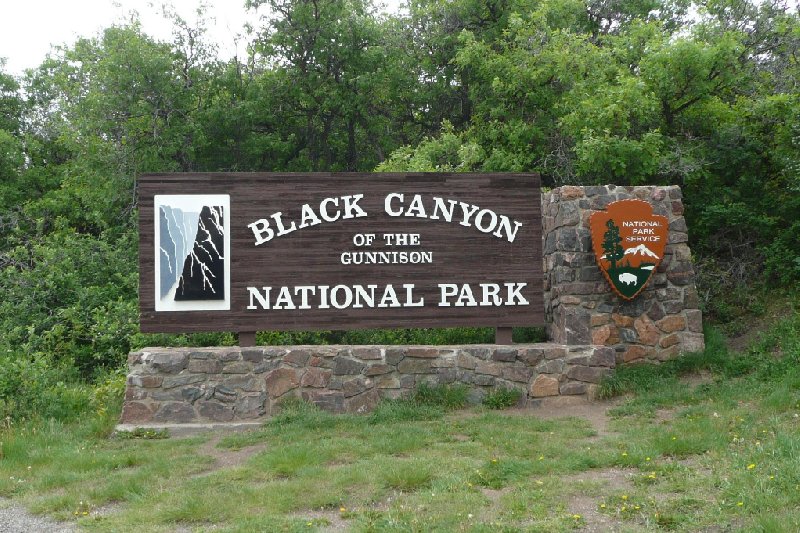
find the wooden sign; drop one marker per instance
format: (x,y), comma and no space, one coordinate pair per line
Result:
(248,252)
(628,242)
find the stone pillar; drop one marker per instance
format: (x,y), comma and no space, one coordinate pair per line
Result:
(580,306)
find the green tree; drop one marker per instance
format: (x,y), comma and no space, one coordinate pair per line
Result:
(330,90)
(612,244)
(11,148)
(96,114)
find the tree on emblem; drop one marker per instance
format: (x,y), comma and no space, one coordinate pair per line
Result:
(612,244)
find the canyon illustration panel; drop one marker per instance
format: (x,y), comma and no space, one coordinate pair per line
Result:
(192,252)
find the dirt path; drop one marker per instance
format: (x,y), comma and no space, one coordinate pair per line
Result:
(224,457)
(596,412)
(15,519)
(614,479)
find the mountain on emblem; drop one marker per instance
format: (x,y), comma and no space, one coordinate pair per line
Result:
(641,250)
(628,242)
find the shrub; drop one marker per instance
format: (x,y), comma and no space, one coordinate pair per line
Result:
(427,402)
(447,397)
(36,387)
(108,393)
(502,398)
(425,336)
(298,412)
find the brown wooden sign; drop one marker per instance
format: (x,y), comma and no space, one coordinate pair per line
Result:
(247,252)
(628,242)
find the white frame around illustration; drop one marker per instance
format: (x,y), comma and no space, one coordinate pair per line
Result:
(189,202)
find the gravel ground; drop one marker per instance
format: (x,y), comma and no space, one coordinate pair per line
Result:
(15,519)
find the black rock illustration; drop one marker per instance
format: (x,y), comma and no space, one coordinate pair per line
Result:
(203,273)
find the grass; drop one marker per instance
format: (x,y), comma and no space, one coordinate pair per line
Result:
(502,398)
(708,440)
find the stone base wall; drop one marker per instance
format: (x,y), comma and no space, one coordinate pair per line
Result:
(182,385)
(580,307)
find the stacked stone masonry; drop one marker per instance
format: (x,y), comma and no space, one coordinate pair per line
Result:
(580,308)
(205,385)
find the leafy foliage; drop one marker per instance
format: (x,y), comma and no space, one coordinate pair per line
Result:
(445,396)
(633,93)
(502,398)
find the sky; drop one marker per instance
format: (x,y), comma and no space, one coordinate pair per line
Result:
(28,28)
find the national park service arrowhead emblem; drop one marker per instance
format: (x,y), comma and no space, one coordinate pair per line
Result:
(628,242)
